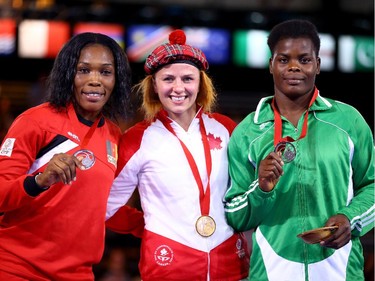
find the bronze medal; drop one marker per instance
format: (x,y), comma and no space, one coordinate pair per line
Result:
(86,157)
(205,226)
(287,150)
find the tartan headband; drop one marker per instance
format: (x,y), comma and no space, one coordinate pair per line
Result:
(175,51)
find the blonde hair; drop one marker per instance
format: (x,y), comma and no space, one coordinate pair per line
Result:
(151,104)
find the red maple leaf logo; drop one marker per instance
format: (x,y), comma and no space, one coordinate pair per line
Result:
(215,143)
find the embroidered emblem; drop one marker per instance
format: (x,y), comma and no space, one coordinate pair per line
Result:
(7,147)
(163,255)
(215,142)
(240,250)
(239,244)
(112,153)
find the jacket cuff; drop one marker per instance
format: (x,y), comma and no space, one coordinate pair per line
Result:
(31,187)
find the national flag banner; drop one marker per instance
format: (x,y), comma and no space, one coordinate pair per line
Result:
(112,152)
(250,48)
(143,39)
(327,52)
(42,38)
(356,53)
(214,42)
(7,36)
(113,30)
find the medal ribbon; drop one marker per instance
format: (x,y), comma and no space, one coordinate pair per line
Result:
(90,132)
(204,197)
(279,126)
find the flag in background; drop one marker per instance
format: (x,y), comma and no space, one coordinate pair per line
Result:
(113,30)
(214,42)
(327,52)
(356,53)
(7,36)
(250,48)
(143,39)
(42,38)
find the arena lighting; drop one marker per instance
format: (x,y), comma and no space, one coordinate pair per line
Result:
(43,4)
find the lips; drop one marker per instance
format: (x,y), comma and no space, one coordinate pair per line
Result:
(293,77)
(293,80)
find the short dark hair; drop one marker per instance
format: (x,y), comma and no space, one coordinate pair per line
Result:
(294,28)
(61,79)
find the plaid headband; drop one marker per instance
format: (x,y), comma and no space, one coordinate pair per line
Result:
(175,51)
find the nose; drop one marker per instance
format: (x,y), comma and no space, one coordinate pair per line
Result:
(178,85)
(293,66)
(95,79)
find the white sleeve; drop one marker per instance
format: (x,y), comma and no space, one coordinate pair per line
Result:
(122,188)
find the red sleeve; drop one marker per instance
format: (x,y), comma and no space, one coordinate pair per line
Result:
(127,220)
(229,123)
(17,153)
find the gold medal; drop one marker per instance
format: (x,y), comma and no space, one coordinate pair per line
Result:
(86,157)
(205,226)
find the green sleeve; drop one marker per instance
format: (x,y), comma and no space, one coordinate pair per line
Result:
(360,210)
(245,203)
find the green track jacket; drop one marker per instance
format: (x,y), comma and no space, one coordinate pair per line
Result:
(333,173)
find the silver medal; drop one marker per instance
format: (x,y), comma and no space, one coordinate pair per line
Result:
(86,157)
(287,150)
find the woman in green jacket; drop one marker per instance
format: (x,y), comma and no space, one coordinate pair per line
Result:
(301,162)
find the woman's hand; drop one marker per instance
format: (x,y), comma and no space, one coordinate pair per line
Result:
(62,167)
(270,171)
(341,236)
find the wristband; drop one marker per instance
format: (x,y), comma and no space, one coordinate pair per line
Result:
(42,187)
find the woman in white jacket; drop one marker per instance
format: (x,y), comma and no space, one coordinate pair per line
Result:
(177,157)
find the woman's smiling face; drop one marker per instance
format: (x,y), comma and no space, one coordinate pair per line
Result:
(177,86)
(94,80)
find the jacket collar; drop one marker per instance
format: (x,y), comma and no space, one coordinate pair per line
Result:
(264,112)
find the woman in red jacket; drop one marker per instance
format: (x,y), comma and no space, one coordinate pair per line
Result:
(58,161)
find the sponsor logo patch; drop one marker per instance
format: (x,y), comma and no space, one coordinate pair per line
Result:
(7,147)
(74,136)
